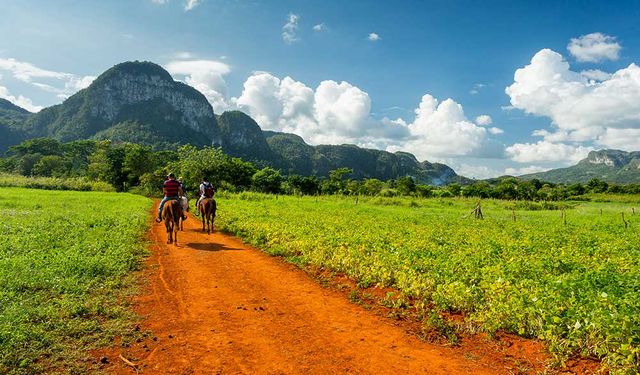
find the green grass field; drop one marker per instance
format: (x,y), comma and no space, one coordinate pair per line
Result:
(575,286)
(65,262)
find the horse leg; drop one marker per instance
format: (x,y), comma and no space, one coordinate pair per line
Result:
(169,232)
(203,214)
(175,233)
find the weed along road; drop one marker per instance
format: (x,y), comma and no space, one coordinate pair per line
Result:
(215,305)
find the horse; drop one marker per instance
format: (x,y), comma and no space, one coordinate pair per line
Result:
(184,203)
(207,208)
(171,214)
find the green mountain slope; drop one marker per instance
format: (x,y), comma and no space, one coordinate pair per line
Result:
(608,165)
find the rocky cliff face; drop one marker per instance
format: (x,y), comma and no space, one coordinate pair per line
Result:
(132,92)
(611,158)
(124,86)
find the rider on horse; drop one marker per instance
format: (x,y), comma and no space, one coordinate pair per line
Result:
(206,191)
(172,190)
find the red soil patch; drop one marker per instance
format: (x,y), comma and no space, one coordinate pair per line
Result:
(214,305)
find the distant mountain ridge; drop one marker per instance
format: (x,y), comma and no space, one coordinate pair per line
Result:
(140,102)
(612,166)
(12,118)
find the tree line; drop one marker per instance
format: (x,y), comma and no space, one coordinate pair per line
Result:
(139,169)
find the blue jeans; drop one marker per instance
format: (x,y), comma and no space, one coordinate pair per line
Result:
(163,201)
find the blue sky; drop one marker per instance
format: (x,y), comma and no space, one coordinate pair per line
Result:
(346,85)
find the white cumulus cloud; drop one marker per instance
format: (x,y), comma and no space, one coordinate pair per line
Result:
(441,129)
(594,47)
(339,112)
(581,109)
(335,112)
(207,76)
(596,74)
(374,37)
(545,151)
(290,29)
(484,120)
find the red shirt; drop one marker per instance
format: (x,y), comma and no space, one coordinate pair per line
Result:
(171,187)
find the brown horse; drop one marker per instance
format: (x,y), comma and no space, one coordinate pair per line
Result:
(207,208)
(171,214)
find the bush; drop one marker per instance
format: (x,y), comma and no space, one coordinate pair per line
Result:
(54,183)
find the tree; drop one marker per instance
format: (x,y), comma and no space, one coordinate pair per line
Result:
(27,162)
(597,186)
(43,146)
(576,189)
(138,160)
(455,189)
(267,180)
(424,191)
(338,174)
(479,189)
(406,185)
(194,164)
(372,186)
(50,166)
(506,189)
(310,185)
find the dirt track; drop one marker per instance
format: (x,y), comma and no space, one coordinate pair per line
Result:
(216,306)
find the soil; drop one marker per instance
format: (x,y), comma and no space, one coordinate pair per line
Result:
(213,305)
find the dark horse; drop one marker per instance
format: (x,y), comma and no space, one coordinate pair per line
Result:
(171,214)
(207,208)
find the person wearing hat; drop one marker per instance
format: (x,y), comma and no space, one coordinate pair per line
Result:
(172,190)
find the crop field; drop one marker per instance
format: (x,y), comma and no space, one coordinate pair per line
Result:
(64,264)
(566,273)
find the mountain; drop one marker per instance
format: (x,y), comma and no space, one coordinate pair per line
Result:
(140,102)
(132,101)
(613,166)
(11,119)
(241,136)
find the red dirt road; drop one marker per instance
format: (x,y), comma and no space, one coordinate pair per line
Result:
(217,306)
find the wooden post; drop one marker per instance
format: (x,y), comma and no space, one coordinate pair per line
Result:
(601,212)
(626,223)
(633,210)
(564,216)
(513,213)
(478,211)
